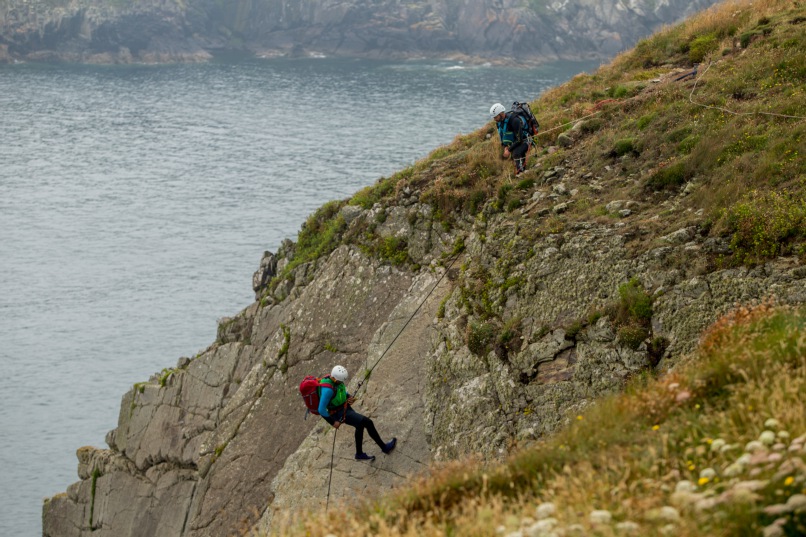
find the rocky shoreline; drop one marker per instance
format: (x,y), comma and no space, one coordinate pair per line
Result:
(161,31)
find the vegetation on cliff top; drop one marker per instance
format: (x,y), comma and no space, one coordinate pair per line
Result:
(721,150)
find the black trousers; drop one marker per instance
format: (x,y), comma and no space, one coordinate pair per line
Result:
(360,422)
(518,153)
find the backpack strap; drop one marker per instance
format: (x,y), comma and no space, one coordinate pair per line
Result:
(321,384)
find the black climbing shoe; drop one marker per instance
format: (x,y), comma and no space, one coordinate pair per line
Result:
(390,446)
(364,457)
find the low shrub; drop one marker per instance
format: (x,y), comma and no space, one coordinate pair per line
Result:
(635,304)
(369,196)
(525,184)
(656,348)
(764,224)
(668,178)
(480,336)
(475,200)
(644,121)
(394,249)
(591,125)
(701,46)
(688,144)
(624,147)
(632,335)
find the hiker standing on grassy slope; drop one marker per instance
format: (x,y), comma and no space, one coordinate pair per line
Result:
(334,407)
(514,133)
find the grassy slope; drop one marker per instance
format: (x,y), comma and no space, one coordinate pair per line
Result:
(648,138)
(707,155)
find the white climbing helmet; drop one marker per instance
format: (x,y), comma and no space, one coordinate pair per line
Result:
(339,373)
(496,109)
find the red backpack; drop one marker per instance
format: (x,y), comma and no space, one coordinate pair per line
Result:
(310,394)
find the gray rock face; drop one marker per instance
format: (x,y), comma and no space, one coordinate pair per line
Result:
(207,440)
(219,443)
(264,273)
(481,404)
(103,31)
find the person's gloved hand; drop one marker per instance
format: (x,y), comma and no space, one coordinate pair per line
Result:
(350,400)
(336,424)
(506,152)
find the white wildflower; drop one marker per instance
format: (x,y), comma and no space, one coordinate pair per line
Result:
(628,526)
(545,510)
(664,514)
(771,423)
(767,438)
(669,514)
(783,435)
(685,486)
(797,502)
(734,469)
(708,473)
(753,446)
(717,445)
(669,529)
(541,528)
(600,516)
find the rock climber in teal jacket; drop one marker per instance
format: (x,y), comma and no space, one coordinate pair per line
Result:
(513,133)
(334,407)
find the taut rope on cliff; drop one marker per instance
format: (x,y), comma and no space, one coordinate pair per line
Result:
(368,372)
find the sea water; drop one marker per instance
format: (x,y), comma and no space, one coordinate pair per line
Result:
(137,201)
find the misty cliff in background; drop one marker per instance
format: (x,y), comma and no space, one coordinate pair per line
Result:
(509,31)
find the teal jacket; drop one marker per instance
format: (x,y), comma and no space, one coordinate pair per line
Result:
(511,131)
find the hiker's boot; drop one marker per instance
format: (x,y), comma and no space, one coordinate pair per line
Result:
(364,457)
(390,446)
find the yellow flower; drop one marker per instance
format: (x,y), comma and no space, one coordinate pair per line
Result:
(788,481)
(579,418)
(655,427)
(702,481)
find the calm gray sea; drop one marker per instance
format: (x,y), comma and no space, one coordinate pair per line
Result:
(135,203)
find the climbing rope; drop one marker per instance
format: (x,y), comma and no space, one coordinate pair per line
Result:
(330,478)
(332,453)
(369,371)
(692,101)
